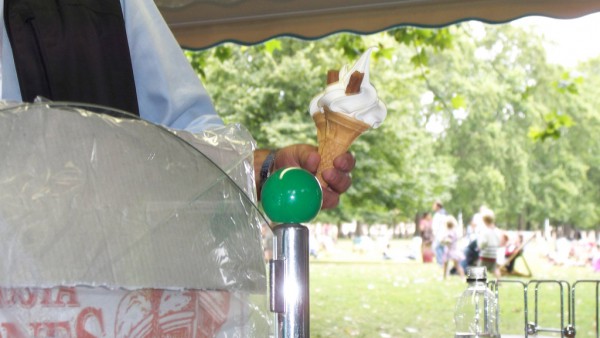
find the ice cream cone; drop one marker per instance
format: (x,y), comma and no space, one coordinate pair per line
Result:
(348,106)
(321,125)
(333,76)
(341,132)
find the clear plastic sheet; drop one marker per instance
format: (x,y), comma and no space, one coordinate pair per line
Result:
(109,212)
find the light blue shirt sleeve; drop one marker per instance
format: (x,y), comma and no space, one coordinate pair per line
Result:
(10,84)
(169,91)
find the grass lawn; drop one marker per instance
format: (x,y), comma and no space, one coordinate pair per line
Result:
(362,295)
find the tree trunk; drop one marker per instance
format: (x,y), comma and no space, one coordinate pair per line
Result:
(339,228)
(359,229)
(520,221)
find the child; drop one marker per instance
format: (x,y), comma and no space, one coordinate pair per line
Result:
(489,242)
(452,252)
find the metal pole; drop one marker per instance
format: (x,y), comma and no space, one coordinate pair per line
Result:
(289,280)
(527,329)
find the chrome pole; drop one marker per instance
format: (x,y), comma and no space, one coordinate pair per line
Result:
(289,280)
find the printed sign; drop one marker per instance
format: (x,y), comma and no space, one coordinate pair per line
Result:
(96,312)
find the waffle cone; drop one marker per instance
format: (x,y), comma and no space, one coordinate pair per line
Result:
(321,125)
(341,132)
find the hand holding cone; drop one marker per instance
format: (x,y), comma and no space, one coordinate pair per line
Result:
(345,109)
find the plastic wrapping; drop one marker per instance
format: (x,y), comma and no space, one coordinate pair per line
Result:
(113,226)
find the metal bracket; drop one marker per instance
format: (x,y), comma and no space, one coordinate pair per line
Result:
(276,283)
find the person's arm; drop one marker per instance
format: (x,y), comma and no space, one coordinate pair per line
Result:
(168,89)
(10,89)
(307,157)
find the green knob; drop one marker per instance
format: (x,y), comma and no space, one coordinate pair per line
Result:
(292,195)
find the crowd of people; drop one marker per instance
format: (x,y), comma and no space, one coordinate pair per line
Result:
(439,237)
(478,246)
(578,249)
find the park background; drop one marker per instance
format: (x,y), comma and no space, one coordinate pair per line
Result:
(478,114)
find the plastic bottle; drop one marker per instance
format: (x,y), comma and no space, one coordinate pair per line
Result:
(476,312)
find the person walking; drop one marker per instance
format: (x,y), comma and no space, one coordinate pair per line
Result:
(426,237)
(452,253)
(488,243)
(438,226)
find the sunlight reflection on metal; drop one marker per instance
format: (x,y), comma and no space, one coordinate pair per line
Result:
(291,246)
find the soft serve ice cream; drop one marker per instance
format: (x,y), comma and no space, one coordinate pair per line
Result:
(344,110)
(364,106)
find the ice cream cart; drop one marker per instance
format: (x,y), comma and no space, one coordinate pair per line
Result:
(115,227)
(200,24)
(108,231)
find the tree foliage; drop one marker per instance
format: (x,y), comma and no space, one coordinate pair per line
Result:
(476,115)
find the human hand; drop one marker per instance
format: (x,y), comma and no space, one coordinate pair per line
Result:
(307,157)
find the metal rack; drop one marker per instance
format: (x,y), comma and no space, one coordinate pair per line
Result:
(567,300)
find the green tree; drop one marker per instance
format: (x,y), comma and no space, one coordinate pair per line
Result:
(267,88)
(476,116)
